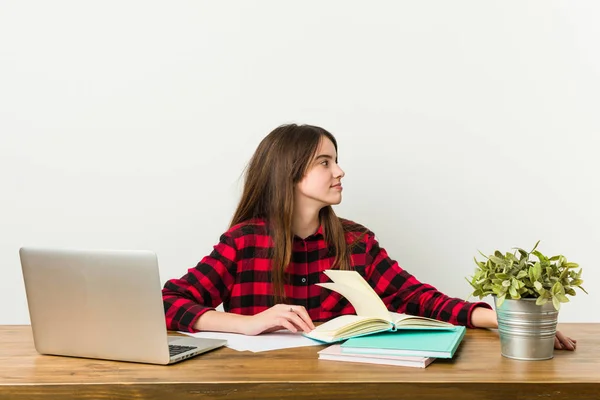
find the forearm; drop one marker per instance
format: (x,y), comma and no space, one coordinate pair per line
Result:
(218,321)
(484,318)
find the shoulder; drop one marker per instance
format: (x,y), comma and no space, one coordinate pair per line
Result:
(249,227)
(251,232)
(356,232)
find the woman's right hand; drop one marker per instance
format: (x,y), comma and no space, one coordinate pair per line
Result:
(280,316)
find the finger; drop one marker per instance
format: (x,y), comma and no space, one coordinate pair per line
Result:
(557,344)
(558,341)
(289,313)
(564,341)
(301,311)
(561,336)
(287,324)
(569,343)
(299,322)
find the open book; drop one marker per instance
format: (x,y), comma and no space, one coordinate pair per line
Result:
(371,314)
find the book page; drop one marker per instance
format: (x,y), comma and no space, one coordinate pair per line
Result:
(336,349)
(364,304)
(349,278)
(357,291)
(282,339)
(338,323)
(346,326)
(401,320)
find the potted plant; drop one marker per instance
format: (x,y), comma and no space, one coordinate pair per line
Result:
(528,288)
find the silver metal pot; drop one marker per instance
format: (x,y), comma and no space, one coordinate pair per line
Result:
(526,330)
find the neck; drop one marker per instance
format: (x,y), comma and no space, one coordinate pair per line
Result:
(305,222)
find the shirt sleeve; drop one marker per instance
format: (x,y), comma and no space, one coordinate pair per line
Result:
(403,293)
(203,287)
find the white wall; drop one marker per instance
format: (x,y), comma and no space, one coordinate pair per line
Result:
(463,125)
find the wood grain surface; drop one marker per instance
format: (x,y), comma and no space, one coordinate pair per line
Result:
(478,371)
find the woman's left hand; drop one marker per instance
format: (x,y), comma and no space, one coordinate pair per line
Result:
(562,342)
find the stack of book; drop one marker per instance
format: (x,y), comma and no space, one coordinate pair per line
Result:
(375,335)
(408,348)
(335,353)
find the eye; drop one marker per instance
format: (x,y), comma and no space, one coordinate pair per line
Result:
(325,163)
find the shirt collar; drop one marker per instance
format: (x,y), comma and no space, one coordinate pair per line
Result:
(317,235)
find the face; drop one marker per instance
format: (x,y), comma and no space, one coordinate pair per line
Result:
(321,186)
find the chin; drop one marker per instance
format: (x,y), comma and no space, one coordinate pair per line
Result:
(336,202)
(329,201)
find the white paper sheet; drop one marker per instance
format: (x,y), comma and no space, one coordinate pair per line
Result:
(267,341)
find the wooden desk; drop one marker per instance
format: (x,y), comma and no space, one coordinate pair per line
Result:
(478,371)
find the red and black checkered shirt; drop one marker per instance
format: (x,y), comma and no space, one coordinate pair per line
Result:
(236,274)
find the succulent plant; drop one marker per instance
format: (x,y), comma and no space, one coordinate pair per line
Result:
(523,274)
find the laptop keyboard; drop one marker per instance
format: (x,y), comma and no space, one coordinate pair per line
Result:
(176,349)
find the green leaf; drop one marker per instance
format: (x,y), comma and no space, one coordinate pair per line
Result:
(571,265)
(541,301)
(506,283)
(479,264)
(497,260)
(498,290)
(537,271)
(500,300)
(581,287)
(523,253)
(522,274)
(538,285)
(532,274)
(535,247)
(540,256)
(562,298)
(557,288)
(555,303)
(521,284)
(513,293)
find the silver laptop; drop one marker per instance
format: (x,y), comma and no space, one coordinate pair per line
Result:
(102,304)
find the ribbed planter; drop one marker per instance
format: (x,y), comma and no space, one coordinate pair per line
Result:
(526,330)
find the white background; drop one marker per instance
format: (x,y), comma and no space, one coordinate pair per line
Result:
(462,126)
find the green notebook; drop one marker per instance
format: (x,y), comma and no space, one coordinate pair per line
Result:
(416,343)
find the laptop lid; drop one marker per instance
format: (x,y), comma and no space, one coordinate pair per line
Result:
(96,303)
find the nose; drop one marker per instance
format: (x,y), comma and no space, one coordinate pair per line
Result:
(339,173)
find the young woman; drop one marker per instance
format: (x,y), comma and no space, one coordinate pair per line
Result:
(283,235)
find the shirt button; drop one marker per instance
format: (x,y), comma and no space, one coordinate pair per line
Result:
(303,280)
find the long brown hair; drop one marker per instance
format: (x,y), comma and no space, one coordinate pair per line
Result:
(278,164)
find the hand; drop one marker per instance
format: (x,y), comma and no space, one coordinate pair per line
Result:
(562,342)
(280,316)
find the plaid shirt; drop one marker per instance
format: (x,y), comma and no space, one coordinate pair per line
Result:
(236,274)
